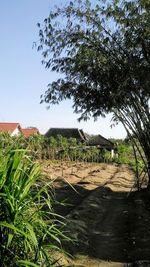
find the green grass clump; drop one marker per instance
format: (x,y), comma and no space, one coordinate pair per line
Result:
(28,227)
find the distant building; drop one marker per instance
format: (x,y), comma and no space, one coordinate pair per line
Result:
(30,131)
(12,128)
(102,143)
(68,133)
(90,140)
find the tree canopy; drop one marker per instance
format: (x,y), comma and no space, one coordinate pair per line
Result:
(102,51)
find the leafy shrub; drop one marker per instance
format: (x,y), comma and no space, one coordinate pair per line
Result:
(125,153)
(28,227)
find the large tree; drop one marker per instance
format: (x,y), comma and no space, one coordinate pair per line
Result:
(102,51)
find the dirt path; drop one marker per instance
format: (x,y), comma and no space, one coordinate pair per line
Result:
(110,222)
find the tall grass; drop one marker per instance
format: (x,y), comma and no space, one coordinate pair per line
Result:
(28,227)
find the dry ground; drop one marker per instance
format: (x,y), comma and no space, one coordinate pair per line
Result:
(105,214)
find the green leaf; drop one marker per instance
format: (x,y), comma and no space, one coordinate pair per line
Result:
(27,263)
(10,237)
(12,227)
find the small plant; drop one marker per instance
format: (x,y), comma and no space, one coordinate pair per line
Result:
(28,227)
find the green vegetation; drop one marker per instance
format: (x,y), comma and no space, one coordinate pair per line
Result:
(59,148)
(29,229)
(129,154)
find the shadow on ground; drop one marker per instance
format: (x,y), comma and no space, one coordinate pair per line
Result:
(68,197)
(108,225)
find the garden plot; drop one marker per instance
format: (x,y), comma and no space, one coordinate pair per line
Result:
(104,213)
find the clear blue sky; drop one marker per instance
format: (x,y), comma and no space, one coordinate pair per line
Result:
(24,79)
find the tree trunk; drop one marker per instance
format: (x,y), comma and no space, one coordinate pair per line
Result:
(148,170)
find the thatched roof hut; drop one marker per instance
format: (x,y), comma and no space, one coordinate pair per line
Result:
(68,133)
(100,142)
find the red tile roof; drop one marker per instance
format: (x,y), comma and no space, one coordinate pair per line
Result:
(29,131)
(9,127)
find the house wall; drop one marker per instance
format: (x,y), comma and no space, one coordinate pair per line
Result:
(112,153)
(16,132)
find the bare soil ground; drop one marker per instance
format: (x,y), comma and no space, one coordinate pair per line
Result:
(104,213)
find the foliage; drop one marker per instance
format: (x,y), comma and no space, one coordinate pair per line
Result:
(103,52)
(128,154)
(59,148)
(106,156)
(28,227)
(125,153)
